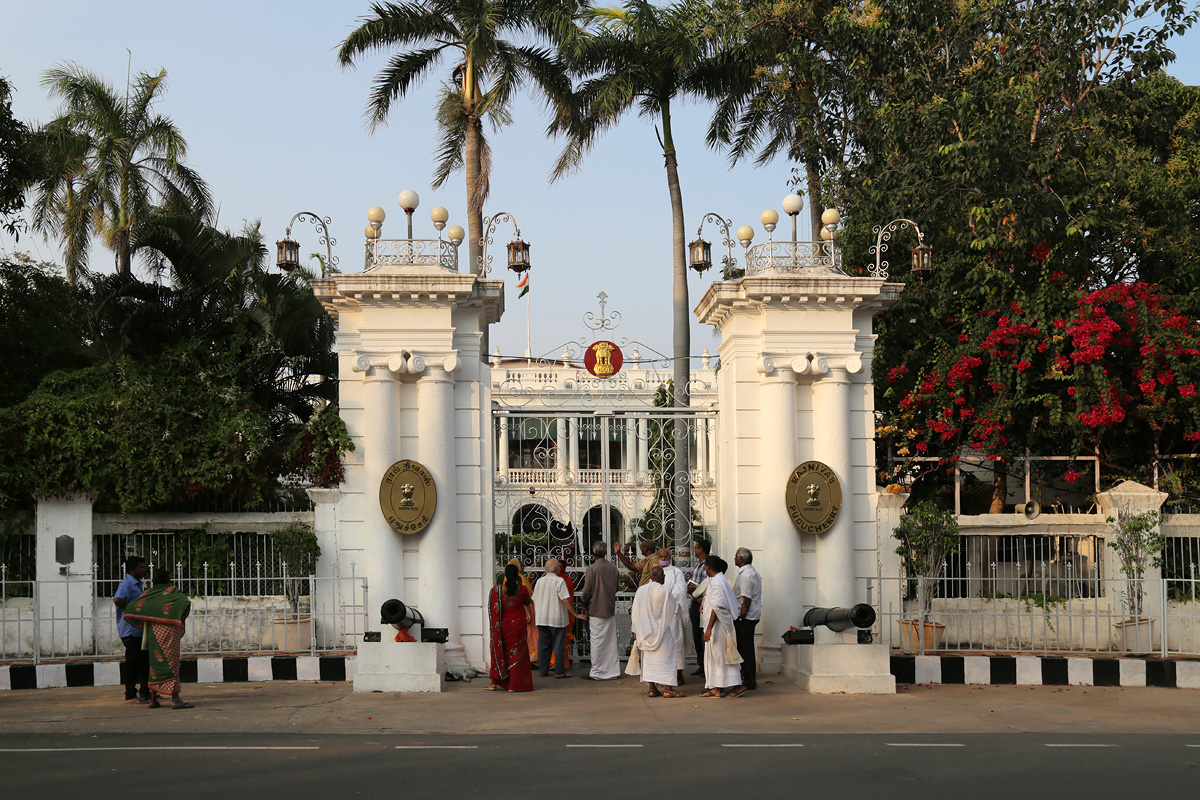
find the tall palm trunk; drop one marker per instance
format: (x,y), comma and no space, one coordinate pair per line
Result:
(474,171)
(681,341)
(812,177)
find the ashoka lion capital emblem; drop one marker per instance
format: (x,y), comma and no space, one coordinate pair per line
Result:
(603,359)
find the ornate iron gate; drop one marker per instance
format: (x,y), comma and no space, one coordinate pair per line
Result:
(581,459)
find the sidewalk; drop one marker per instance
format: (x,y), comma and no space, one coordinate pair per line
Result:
(617,707)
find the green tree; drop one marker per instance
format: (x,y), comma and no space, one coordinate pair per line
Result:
(487,71)
(18,163)
(43,326)
(992,125)
(109,162)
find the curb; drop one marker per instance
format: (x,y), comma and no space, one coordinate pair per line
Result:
(229,669)
(1046,671)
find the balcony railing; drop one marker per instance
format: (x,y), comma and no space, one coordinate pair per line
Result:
(819,258)
(410,252)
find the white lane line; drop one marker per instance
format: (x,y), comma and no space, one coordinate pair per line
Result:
(924,744)
(437,747)
(603,745)
(1192,745)
(762,745)
(1082,745)
(106,749)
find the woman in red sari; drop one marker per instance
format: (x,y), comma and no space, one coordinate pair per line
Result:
(508,616)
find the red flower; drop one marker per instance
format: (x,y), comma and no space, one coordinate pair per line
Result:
(1023,365)
(1187,390)
(1072,476)
(1041,252)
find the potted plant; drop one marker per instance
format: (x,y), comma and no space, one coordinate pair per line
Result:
(926,537)
(297,548)
(1138,541)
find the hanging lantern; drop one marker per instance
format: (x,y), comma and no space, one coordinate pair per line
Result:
(287,256)
(518,255)
(922,261)
(701,255)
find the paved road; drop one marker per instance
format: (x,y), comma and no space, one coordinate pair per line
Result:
(734,766)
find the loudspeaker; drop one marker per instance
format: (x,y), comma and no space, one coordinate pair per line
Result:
(1032,509)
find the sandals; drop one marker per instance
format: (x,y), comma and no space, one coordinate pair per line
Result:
(673,693)
(711,693)
(492,688)
(183,705)
(738,693)
(654,693)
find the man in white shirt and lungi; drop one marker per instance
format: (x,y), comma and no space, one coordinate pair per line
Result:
(657,629)
(675,582)
(747,591)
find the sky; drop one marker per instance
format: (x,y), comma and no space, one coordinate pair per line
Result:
(277,128)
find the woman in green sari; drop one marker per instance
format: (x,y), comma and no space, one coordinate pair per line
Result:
(165,607)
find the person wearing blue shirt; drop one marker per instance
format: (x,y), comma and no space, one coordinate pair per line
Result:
(137,660)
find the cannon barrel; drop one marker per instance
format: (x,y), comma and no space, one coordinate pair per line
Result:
(860,615)
(395,613)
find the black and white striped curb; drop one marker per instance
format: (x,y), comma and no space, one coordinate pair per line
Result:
(230,669)
(1047,671)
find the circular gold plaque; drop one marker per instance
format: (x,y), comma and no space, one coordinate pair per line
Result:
(813,497)
(407,496)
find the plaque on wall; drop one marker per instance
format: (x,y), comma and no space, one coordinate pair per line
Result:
(603,359)
(407,496)
(813,497)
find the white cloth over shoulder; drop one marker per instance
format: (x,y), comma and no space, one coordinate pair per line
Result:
(656,623)
(722,668)
(675,582)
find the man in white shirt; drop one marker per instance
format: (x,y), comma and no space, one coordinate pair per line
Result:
(657,619)
(747,591)
(554,612)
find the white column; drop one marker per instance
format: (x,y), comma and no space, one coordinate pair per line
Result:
(384,569)
(831,446)
(643,441)
(572,445)
(561,448)
(779,559)
(501,429)
(65,595)
(701,430)
(438,579)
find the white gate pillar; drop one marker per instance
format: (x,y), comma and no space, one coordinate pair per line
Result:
(65,600)
(384,565)
(816,324)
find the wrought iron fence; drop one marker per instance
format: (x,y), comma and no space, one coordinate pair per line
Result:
(1047,615)
(74,617)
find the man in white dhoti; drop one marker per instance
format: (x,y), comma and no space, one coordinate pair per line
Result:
(722,663)
(675,582)
(657,625)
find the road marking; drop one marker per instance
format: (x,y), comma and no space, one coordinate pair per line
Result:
(437,747)
(603,745)
(924,744)
(1081,745)
(762,745)
(103,749)
(1192,745)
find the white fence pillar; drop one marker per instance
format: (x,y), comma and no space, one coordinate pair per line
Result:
(64,595)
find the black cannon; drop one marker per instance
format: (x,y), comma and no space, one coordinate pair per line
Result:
(860,615)
(393,612)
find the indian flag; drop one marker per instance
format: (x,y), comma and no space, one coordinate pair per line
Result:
(523,285)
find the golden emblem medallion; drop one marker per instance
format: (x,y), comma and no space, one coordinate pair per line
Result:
(407,496)
(603,359)
(813,497)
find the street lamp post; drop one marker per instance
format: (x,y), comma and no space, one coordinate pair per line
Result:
(700,251)
(922,254)
(518,249)
(288,251)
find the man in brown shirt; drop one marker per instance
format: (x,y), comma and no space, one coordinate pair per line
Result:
(600,599)
(640,568)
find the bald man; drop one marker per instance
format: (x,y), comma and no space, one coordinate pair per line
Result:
(554,613)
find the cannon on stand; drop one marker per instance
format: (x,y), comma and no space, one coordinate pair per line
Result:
(861,616)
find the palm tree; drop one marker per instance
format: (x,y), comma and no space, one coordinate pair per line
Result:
(779,101)
(487,70)
(110,163)
(647,55)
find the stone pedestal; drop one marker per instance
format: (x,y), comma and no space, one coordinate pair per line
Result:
(842,668)
(400,667)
